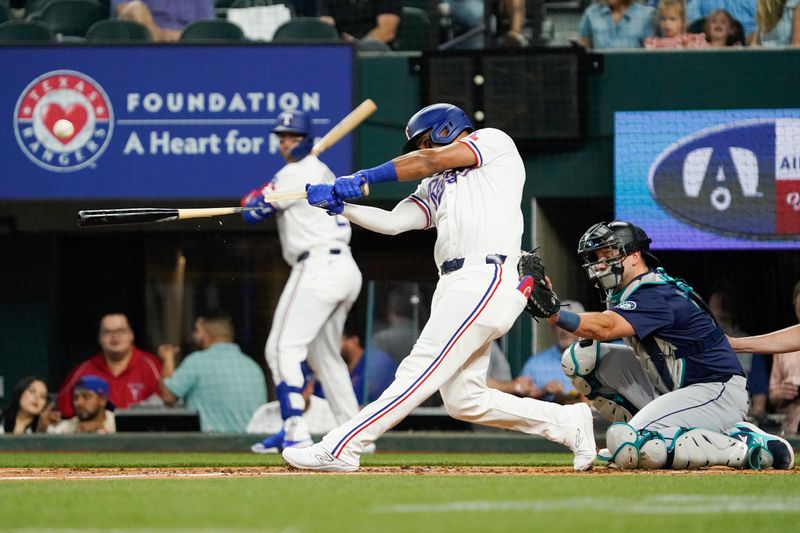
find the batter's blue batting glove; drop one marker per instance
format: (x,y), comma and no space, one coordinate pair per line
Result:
(324,196)
(260,209)
(350,186)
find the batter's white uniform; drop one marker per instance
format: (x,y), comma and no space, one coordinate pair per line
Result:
(476,212)
(323,284)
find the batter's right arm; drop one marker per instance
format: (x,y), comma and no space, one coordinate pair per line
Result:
(405,216)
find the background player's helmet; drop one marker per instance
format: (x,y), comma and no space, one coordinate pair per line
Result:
(623,237)
(294,121)
(445,121)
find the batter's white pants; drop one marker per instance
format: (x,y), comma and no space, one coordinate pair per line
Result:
(308,324)
(471,307)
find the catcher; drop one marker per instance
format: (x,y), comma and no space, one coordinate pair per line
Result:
(675,391)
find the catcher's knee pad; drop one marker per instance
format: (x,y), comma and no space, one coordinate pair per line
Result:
(612,407)
(635,449)
(579,362)
(694,448)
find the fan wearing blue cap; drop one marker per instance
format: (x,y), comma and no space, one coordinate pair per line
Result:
(93,409)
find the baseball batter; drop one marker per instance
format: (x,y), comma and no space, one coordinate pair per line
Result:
(676,389)
(473,198)
(323,284)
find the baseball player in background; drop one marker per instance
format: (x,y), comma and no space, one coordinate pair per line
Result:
(675,390)
(323,284)
(473,198)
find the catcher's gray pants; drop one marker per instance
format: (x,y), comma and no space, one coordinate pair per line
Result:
(717,406)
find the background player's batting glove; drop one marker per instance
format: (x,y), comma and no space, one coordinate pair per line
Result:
(262,210)
(322,195)
(543,302)
(348,187)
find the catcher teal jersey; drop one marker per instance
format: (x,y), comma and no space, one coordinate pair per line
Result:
(667,321)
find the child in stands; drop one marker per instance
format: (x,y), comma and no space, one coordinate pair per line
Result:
(672,28)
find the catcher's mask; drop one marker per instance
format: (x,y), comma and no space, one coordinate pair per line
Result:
(622,238)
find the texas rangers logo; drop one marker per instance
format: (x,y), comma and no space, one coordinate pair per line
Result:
(63,121)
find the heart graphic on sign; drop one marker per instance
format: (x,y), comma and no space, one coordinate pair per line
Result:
(75,113)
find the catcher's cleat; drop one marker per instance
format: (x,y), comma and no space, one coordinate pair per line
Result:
(778,450)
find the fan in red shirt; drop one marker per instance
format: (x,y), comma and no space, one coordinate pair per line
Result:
(132,374)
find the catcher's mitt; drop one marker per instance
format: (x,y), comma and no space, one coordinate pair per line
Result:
(543,302)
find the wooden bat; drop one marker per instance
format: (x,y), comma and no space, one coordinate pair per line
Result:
(140,215)
(345,126)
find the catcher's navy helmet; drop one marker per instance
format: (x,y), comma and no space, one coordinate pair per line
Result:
(625,238)
(294,121)
(445,121)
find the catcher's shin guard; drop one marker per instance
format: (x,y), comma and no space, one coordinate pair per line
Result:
(631,449)
(695,448)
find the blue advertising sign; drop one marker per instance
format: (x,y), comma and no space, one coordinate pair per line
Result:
(162,121)
(710,179)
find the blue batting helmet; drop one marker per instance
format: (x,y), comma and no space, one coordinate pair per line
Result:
(294,121)
(445,121)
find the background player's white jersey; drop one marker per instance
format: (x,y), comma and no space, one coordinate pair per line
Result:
(476,210)
(302,227)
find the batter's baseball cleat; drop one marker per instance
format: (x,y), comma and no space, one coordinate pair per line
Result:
(316,458)
(272,444)
(583,445)
(780,454)
(277,443)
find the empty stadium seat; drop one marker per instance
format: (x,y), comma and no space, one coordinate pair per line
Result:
(20,31)
(212,30)
(34,6)
(415,32)
(118,31)
(70,17)
(305,29)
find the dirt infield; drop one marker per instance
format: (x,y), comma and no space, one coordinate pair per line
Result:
(44,474)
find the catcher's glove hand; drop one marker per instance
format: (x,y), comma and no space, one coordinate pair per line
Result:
(543,302)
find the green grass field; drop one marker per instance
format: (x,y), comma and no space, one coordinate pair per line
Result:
(290,502)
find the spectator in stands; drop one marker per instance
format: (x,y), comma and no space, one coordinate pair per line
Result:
(468,15)
(132,374)
(375,366)
(672,28)
(778,23)
(398,339)
(742,10)
(220,382)
(785,379)
(16,9)
(720,30)
(544,368)
(724,307)
(25,407)
(499,375)
(616,24)
(373,23)
(93,410)
(164,18)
